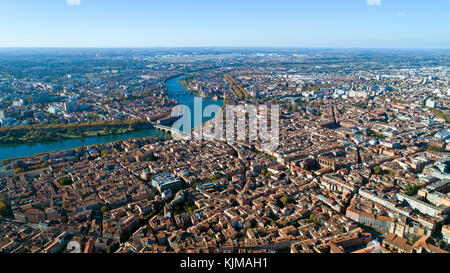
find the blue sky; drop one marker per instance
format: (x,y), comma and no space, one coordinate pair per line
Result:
(240,23)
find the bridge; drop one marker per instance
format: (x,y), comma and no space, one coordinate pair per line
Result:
(177,133)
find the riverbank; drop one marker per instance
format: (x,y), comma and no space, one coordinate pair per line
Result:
(28,150)
(185,97)
(57,132)
(175,91)
(184,83)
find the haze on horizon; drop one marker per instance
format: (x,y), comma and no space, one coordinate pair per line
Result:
(403,24)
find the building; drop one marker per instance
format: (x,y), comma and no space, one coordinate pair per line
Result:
(328,162)
(446,233)
(41,97)
(397,244)
(70,107)
(426,244)
(355,239)
(166,181)
(7,121)
(430,103)
(437,193)
(54,109)
(401,228)
(369,219)
(421,206)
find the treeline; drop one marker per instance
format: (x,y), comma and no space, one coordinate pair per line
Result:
(441,114)
(107,123)
(185,84)
(55,132)
(31,168)
(240,92)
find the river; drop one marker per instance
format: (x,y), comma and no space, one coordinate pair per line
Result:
(185,97)
(176,91)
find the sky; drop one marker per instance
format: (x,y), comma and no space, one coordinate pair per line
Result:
(228,23)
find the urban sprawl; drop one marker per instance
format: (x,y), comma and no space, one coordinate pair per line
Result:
(362,164)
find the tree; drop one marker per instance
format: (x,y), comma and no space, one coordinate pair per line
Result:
(65,181)
(213,178)
(152,157)
(314,219)
(104,209)
(411,189)
(19,170)
(285,200)
(3,207)
(377,170)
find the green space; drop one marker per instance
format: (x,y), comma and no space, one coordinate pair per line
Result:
(313,219)
(31,168)
(56,132)
(185,84)
(377,135)
(440,114)
(3,208)
(362,105)
(285,200)
(411,189)
(65,181)
(151,158)
(158,211)
(436,149)
(185,207)
(377,170)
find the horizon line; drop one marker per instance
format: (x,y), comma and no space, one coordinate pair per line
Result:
(222,47)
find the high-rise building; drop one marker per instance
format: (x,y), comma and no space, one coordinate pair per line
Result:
(430,103)
(70,106)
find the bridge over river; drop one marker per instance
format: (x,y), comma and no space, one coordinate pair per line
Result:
(179,134)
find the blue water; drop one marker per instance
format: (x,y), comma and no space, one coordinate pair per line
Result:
(176,91)
(185,97)
(20,150)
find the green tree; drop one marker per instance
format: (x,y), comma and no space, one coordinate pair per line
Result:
(314,219)
(152,157)
(377,170)
(19,170)
(213,177)
(65,181)
(411,189)
(3,207)
(285,200)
